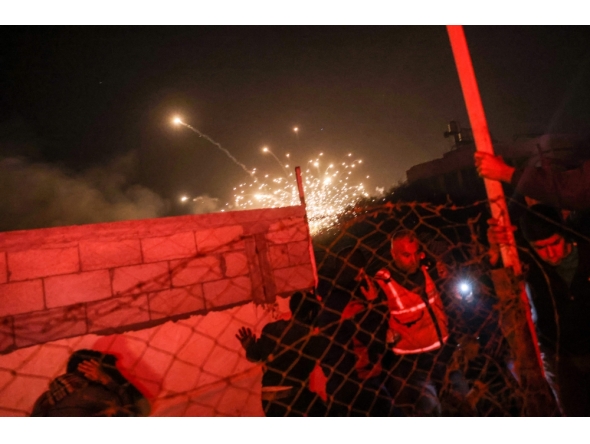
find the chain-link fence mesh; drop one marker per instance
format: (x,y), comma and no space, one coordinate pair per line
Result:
(338,354)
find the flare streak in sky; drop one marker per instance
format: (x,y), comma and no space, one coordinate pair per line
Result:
(178,121)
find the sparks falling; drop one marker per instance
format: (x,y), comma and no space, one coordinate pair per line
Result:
(330,189)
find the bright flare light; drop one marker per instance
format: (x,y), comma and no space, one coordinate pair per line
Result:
(177,120)
(328,192)
(465,291)
(464,287)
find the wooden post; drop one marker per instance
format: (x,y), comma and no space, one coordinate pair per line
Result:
(539,400)
(311,252)
(300,185)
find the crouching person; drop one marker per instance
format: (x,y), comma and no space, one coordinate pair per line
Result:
(91,386)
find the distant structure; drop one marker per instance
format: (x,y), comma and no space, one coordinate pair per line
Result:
(454,174)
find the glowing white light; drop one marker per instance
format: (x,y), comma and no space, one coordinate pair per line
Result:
(184,198)
(465,291)
(265,149)
(176,120)
(465,288)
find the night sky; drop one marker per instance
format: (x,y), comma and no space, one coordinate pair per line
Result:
(85,112)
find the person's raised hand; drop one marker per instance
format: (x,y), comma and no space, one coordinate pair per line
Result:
(92,370)
(492,167)
(246,337)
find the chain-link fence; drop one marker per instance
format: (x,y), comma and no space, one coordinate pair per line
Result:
(344,349)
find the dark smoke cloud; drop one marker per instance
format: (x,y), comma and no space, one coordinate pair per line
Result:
(38,195)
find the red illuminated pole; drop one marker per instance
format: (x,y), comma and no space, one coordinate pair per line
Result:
(481,134)
(483,143)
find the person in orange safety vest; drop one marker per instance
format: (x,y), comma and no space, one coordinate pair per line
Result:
(418,329)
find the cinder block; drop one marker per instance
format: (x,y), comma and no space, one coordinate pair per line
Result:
(194,271)
(167,303)
(31,264)
(220,239)
(117,312)
(102,255)
(76,288)
(6,334)
(21,297)
(49,325)
(226,292)
(177,246)
(294,278)
(285,231)
(299,253)
(3,268)
(279,255)
(236,264)
(141,278)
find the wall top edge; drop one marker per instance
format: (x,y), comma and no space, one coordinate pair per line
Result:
(138,229)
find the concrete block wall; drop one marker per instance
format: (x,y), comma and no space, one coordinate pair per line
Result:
(189,367)
(111,277)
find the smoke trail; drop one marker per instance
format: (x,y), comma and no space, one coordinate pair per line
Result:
(236,161)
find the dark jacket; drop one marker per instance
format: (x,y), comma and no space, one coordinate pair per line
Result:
(72,394)
(289,350)
(356,330)
(563,311)
(569,189)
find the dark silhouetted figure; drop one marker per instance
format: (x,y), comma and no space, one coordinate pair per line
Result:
(289,350)
(355,323)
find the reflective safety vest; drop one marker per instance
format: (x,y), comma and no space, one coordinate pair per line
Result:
(414,326)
